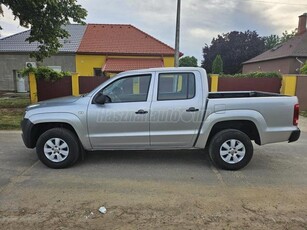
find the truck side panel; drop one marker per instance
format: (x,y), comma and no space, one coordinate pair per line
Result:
(273,116)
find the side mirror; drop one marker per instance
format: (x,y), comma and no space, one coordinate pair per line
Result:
(102,99)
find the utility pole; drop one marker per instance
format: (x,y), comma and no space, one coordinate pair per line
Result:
(177,34)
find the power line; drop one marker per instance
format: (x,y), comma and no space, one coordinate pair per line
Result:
(270,2)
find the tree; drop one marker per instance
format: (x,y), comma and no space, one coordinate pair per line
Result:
(46,19)
(235,47)
(271,41)
(303,70)
(286,36)
(274,40)
(188,61)
(217,65)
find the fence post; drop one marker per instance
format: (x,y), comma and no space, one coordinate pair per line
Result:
(288,86)
(33,88)
(75,84)
(214,82)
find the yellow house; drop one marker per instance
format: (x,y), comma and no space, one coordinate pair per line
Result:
(106,49)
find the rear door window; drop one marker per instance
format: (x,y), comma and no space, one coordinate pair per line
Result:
(176,86)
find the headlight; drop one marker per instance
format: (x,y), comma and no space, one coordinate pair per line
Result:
(31,107)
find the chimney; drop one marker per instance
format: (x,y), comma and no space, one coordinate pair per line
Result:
(302,24)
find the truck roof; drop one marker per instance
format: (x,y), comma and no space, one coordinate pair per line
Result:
(166,69)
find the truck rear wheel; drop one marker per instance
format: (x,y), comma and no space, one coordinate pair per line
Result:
(231,149)
(58,148)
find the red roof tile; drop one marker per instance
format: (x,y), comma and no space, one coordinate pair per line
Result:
(122,64)
(121,39)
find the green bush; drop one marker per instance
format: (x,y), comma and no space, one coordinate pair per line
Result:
(188,61)
(303,70)
(44,72)
(253,75)
(217,65)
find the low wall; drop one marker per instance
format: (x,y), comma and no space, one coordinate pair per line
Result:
(75,85)
(72,85)
(301,91)
(87,84)
(272,85)
(60,88)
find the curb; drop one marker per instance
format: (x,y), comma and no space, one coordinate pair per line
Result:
(10,131)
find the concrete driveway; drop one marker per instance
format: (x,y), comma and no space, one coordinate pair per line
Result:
(150,190)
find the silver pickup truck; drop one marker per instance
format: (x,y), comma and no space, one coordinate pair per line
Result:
(155,109)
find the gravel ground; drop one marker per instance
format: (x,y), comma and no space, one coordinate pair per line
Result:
(154,190)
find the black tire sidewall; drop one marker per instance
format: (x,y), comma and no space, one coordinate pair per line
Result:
(65,135)
(220,138)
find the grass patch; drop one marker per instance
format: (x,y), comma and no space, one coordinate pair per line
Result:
(303,113)
(11,112)
(10,118)
(14,102)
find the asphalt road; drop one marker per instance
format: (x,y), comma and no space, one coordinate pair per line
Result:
(155,189)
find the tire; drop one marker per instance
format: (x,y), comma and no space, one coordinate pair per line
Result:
(231,149)
(58,148)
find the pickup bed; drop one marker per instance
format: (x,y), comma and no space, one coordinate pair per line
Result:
(161,108)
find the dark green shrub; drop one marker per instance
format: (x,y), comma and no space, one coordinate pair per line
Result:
(44,72)
(253,75)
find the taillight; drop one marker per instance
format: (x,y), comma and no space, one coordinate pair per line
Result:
(296,114)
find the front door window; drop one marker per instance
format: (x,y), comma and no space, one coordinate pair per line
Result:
(129,89)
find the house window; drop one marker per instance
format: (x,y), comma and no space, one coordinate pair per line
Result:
(98,72)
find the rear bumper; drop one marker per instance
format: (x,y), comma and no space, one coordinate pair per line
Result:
(295,135)
(26,127)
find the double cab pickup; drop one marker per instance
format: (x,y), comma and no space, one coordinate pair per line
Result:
(160,109)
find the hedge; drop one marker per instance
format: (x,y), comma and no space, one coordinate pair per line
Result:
(254,75)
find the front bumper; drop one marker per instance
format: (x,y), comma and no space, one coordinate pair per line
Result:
(295,135)
(26,127)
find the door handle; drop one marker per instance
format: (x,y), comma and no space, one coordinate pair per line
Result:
(141,111)
(192,109)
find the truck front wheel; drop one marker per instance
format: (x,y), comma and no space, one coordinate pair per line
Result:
(58,148)
(231,149)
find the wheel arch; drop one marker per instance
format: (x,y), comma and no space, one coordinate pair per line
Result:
(246,126)
(39,128)
(250,122)
(40,123)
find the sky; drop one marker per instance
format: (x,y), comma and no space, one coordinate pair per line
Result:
(201,20)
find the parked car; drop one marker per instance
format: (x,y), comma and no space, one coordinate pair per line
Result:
(162,108)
